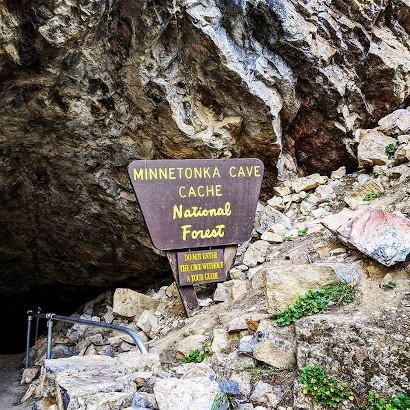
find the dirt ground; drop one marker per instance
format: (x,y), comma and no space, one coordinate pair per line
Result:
(11,391)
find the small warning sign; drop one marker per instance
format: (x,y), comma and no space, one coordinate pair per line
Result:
(197,267)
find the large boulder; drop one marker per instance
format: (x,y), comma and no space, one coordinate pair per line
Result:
(369,352)
(285,282)
(382,235)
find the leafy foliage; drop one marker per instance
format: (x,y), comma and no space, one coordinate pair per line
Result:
(324,389)
(288,238)
(390,284)
(308,304)
(390,149)
(316,301)
(371,196)
(329,392)
(302,232)
(224,401)
(398,401)
(198,355)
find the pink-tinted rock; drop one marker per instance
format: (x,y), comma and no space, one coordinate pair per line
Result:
(381,235)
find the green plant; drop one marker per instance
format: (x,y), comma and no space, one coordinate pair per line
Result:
(224,401)
(390,284)
(316,301)
(287,238)
(342,292)
(329,204)
(390,149)
(260,371)
(324,389)
(307,196)
(372,195)
(398,401)
(313,301)
(198,355)
(302,232)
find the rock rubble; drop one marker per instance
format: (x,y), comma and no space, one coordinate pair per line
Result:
(295,248)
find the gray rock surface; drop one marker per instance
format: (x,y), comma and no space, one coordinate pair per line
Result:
(381,235)
(368,352)
(89,86)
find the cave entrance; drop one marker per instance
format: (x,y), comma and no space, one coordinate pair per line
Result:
(58,299)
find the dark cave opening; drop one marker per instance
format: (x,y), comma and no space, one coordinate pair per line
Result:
(58,300)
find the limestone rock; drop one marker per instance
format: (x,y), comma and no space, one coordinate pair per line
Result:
(381,235)
(148,323)
(230,290)
(129,303)
(325,193)
(272,237)
(398,122)
(357,195)
(194,370)
(29,375)
(372,148)
(244,381)
(402,154)
(309,182)
(278,229)
(270,216)
(256,253)
(143,399)
(285,282)
(263,393)
(194,342)
(276,203)
(182,394)
(220,340)
(338,173)
(353,348)
(97,382)
(232,361)
(282,190)
(275,352)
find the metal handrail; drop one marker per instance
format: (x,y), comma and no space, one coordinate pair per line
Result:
(52,316)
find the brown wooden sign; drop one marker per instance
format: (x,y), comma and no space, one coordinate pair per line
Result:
(197,203)
(197,267)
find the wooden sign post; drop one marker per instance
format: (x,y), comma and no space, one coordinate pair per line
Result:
(198,211)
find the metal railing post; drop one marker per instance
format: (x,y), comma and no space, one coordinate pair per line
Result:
(49,337)
(29,320)
(52,316)
(37,320)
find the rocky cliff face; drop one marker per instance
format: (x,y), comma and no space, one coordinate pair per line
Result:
(87,86)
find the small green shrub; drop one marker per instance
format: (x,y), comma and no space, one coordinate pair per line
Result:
(371,196)
(224,401)
(288,238)
(313,301)
(390,149)
(302,232)
(198,355)
(322,388)
(316,301)
(342,292)
(398,401)
(390,284)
